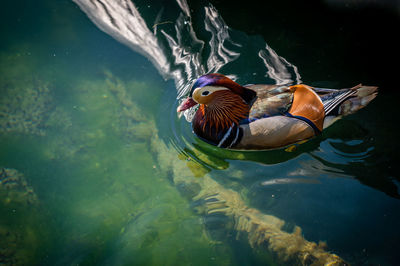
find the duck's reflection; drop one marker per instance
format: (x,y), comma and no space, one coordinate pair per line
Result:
(326,157)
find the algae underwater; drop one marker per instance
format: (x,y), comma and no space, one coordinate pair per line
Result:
(96,169)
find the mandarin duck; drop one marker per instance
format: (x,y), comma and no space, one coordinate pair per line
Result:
(267,116)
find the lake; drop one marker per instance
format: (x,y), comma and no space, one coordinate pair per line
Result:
(96,168)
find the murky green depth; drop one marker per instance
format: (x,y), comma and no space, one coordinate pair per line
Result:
(79,134)
(83,149)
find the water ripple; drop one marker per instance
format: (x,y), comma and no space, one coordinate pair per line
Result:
(178,51)
(342,152)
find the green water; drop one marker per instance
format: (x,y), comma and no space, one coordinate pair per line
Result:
(106,174)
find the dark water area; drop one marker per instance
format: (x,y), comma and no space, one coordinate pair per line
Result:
(96,168)
(331,41)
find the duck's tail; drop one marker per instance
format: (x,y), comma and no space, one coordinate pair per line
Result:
(343,102)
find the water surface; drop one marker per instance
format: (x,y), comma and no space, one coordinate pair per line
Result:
(96,168)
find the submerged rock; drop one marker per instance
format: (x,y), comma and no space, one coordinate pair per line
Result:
(15,189)
(25,109)
(22,233)
(132,122)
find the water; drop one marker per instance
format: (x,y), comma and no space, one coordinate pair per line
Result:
(98,170)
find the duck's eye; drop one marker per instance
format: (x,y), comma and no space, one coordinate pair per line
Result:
(205,93)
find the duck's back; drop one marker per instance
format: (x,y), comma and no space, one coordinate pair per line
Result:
(271,100)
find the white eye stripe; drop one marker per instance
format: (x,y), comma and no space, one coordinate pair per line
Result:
(200,95)
(210,89)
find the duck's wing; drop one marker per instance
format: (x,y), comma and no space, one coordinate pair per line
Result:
(271,100)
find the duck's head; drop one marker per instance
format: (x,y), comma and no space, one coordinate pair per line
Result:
(208,87)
